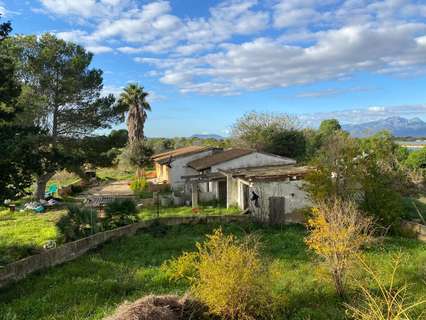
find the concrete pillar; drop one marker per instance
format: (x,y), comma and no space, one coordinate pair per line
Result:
(195,195)
(228,190)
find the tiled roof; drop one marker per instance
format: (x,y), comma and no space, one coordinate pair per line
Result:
(185,151)
(219,157)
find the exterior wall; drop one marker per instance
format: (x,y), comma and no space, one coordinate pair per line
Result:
(162,172)
(254,159)
(267,189)
(231,192)
(180,169)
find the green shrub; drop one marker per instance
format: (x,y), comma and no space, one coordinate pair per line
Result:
(139,184)
(228,276)
(120,213)
(79,223)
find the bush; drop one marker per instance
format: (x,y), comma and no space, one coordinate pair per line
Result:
(120,213)
(228,276)
(387,303)
(337,232)
(79,223)
(139,184)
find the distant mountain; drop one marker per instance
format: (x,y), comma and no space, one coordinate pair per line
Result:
(398,126)
(208,136)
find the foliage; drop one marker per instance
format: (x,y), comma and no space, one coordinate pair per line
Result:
(366,171)
(288,143)
(5,29)
(228,275)
(20,156)
(329,127)
(275,133)
(61,94)
(138,154)
(139,184)
(133,101)
(78,223)
(120,213)
(417,159)
(389,302)
(337,232)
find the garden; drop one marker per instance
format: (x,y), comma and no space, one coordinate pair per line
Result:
(92,286)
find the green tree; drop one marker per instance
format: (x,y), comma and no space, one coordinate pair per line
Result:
(417,159)
(19,156)
(329,126)
(275,133)
(133,101)
(62,95)
(366,171)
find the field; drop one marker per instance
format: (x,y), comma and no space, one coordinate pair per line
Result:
(93,285)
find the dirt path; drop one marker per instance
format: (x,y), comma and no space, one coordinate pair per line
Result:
(115,188)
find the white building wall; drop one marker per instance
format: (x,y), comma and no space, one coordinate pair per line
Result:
(251,160)
(292,191)
(179,168)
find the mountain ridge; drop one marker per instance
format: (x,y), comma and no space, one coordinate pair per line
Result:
(398,126)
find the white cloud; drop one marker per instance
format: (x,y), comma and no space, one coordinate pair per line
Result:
(361,115)
(226,52)
(99,49)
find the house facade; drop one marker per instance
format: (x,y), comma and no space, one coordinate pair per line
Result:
(172,165)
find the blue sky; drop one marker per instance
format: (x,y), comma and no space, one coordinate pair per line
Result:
(207,62)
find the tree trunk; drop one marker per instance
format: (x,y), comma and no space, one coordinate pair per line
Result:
(41,185)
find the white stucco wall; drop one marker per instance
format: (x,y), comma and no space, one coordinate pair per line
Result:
(255,159)
(180,169)
(267,189)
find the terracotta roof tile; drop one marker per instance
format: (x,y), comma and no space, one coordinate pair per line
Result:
(219,157)
(185,151)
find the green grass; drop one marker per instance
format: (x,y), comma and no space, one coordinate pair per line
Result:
(151,212)
(92,286)
(24,233)
(115,173)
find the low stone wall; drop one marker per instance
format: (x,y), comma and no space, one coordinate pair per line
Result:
(69,251)
(419,230)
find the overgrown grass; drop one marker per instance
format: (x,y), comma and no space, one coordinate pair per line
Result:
(115,173)
(151,212)
(24,233)
(93,285)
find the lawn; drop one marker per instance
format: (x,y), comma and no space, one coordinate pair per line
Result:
(151,212)
(24,233)
(93,285)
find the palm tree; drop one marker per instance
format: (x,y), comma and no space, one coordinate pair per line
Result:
(133,99)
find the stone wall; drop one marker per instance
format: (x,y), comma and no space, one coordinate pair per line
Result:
(69,251)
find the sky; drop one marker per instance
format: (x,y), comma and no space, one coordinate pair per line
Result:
(205,63)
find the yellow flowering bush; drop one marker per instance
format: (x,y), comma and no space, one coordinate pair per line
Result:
(337,232)
(228,276)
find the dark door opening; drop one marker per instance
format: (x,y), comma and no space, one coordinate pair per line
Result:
(276,210)
(222,192)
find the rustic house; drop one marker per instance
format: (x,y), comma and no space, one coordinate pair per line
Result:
(266,185)
(214,184)
(170,166)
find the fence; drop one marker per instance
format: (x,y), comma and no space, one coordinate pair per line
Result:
(70,251)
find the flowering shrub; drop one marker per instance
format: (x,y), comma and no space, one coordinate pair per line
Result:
(337,232)
(228,276)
